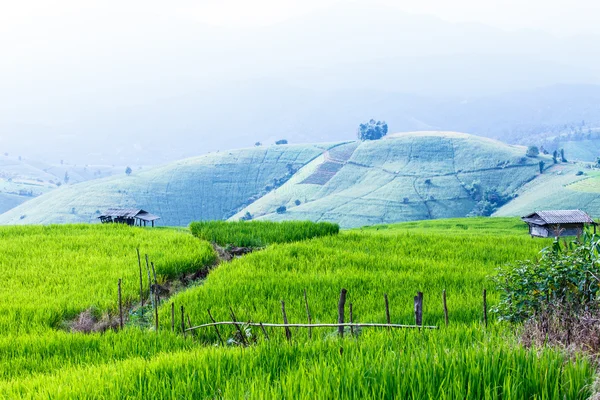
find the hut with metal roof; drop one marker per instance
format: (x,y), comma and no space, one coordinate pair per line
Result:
(554,223)
(129,216)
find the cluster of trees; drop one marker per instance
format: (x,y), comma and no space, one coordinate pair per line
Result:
(488,200)
(372,130)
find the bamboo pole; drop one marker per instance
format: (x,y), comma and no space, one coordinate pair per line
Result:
(216,327)
(341,306)
(288,325)
(308,314)
(288,333)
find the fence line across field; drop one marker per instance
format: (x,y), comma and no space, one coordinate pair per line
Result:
(154,299)
(351,325)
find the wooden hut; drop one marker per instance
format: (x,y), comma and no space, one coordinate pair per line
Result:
(129,216)
(554,223)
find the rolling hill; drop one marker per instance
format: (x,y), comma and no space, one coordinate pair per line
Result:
(409,176)
(559,188)
(22,179)
(213,186)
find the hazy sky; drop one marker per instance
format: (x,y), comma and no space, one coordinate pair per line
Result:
(208,70)
(556,16)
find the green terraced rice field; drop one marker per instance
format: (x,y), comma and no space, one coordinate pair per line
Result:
(464,360)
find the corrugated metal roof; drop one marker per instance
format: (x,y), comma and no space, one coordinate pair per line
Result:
(558,217)
(122,212)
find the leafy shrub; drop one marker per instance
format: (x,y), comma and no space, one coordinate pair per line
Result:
(564,280)
(488,200)
(260,233)
(532,151)
(281,209)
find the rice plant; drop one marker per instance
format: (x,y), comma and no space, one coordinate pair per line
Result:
(260,233)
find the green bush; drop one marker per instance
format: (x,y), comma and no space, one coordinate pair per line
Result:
(564,279)
(260,233)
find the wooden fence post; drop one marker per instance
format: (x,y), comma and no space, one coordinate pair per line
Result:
(308,315)
(149,283)
(419,309)
(485,308)
(182,320)
(387,309)
(351,321)
(288,333)
(141,279)
(157,300)
(156,297)
(120,307)
(172,317)
(264,331)
(341,306)
(242,335)
(445,307)
(216,328)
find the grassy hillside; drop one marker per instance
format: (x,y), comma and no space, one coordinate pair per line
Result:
(23,179)
(463,360)
(560,188)
(213,186)
(410,176)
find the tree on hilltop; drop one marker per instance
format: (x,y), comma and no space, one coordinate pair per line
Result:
(372,130)
(128,171)
(532,151)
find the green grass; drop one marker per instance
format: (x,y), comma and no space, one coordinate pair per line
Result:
(457,363)
(475,226)
(52,273)
(260,233)
(464,360)
(399,263)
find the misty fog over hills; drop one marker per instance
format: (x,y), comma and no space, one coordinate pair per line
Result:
(137,88)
